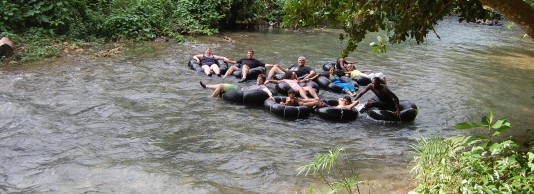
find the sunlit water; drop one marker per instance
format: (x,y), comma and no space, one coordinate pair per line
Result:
(142,124)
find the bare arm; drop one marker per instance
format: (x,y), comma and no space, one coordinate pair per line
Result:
(353,104)
(367,88)
(312,75)
(315,76)
(266,90)
(396,99)
(273,81)
(217,57)
(197,57)
(230,61)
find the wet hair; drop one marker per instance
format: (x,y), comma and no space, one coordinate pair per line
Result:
(288,75)
(332,67)
(262,77)
(377,80)
(292,91)
(347,99)
(252,51)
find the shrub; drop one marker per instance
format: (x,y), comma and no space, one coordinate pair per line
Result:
(467,164)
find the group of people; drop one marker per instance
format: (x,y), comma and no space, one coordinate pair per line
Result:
(300,73)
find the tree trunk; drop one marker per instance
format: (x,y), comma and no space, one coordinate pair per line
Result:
(516,11)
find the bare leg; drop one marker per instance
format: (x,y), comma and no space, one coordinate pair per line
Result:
(216,69)
(275,70)
(230,70)
(302,93)
(207,69)
(244,73)
(213,86)
(310,102)
(218,90)
(312,92)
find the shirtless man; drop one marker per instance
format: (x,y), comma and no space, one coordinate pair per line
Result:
(386,99)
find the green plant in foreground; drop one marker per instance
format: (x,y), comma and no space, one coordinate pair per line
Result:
(329,162)
(467,164)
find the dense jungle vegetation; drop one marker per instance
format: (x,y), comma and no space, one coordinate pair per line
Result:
(37,27)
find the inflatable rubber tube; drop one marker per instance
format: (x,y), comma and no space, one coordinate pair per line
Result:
(328,65)
(408,112)
(362,80)
(282,87)
(312,84)
(335,88)
(194,66)
(223,66)
(322,81)
(252,73)
(253,97)
(333,113)
(348,80)
(290,112)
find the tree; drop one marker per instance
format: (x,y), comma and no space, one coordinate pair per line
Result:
(402,20)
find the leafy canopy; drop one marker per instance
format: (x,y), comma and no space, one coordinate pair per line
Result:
(401,20)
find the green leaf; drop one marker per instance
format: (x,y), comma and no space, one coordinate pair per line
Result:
(467,125)
(531,161)
(44,18)
(485,121)
(495,148)
(490,113)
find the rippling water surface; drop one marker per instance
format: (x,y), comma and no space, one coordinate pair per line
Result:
(142,124)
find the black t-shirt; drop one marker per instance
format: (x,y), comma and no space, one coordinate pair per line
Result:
(251,63)
(300,70)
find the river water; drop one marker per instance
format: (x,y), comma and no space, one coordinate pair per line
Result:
(140,122)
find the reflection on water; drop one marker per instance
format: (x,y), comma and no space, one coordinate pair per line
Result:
(142,123)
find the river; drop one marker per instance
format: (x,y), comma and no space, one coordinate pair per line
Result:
(141,123)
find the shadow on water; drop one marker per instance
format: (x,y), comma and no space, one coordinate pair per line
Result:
(141,123)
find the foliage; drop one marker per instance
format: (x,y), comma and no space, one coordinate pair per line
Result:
(91,20)
(244,13)
(399,20)
(496,128)
(469,164)
(329,162)
(379,47)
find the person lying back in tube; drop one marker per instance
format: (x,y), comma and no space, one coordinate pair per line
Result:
(291,80)
(301,69)
(245,64)
(353,72)
(208,62)
(224,87)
